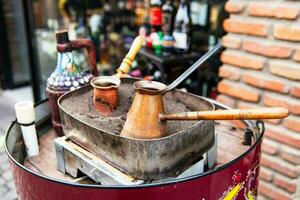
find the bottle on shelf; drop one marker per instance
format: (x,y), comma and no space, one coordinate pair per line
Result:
(168,17)
(168,45)
(200,14)
(155,15)
(141,12)
(183,28)
(157,38)
(167,27)
(149,41)
(144,30)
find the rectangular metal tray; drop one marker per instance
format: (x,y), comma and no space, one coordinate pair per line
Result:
(145,159)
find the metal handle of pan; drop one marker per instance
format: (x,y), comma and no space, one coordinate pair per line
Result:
(192,68)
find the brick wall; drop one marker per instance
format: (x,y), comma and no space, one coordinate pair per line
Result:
(261,67)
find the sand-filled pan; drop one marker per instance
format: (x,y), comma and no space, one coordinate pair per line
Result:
(146,159)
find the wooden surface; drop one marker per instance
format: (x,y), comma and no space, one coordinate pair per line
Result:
(45,162)
(230,141)
(229,147)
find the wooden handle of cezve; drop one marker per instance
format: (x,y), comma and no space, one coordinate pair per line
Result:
(129,58)
(233,114)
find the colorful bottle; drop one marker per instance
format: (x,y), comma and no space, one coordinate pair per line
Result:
(157,38)
(68,75)
(168,45)
(183,28)
(155,15)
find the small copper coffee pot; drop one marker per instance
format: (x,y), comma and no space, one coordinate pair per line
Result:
(143,117)
(105,97)
(106,87)
(146,118)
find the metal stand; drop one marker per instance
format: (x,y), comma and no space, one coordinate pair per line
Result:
(72,159)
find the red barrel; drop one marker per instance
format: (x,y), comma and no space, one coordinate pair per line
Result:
(237,179)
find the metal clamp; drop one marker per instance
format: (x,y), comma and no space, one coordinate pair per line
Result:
(260,125)
(248,134)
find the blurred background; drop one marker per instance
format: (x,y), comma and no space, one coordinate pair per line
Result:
(28,41)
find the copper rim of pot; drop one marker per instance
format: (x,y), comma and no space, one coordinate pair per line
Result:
(105,82)
(149,87)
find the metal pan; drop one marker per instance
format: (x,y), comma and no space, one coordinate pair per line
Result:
(145,159)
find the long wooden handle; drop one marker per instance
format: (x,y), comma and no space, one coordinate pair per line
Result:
(129,58)
(234,114)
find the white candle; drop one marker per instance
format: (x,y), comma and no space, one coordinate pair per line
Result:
(25,117)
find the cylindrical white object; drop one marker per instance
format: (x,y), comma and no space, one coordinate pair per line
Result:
(25,117)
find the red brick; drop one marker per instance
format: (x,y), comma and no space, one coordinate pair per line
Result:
(274,100)
(290,156)
(265,81)
(278,167)
(287,32)
(270,50)
(246,105)
(226,100)
(283,136)
(285,69)
(242,60)
(271,192)
(231,42)
(286,12)
(269,148)
(229,72)
(292,123)
(265,174)
(234,7)
(238,124)
(297,55)
(273,10)
(273,121)
(295,90)
(285,184)
(239,91)
(245,27)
